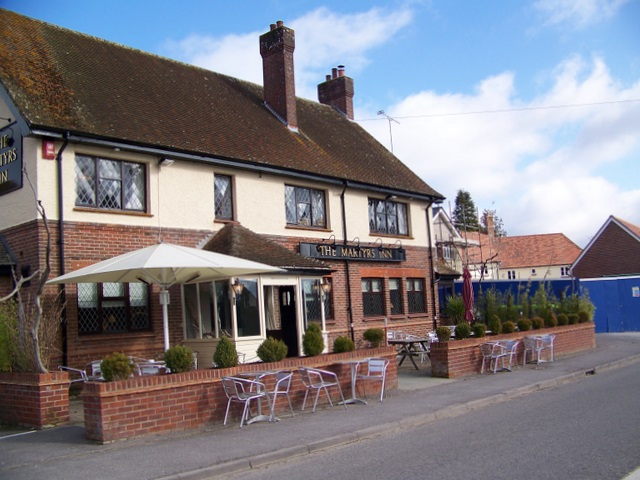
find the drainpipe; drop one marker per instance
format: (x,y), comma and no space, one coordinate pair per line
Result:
(433,273)
(346,262)
(61,244)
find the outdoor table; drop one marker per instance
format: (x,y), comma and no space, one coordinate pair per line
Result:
(257,376)
(354,399)
(408,348)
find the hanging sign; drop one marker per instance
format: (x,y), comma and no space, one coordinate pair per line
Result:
(10,159)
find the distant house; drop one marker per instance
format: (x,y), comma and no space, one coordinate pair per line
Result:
(613,251)
(126,149)
(609,269)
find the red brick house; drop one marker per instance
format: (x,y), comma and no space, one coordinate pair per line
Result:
(125,149)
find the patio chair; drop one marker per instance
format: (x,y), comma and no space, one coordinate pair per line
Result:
(75,374)
(319,380)
(492,352)
(372,370)
(547,344)
(511,349)
(532,345)
(281,387)
(242,390)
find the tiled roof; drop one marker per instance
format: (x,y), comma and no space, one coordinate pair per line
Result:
(613,251)
(66,81)
(524,251)
(239,241)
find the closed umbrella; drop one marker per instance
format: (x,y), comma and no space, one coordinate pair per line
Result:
(165,265)
(467,295)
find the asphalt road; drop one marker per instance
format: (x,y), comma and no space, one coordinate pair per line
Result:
(588,429)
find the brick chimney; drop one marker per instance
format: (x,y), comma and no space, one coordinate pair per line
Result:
(337,91)
(488,221)
(276,49)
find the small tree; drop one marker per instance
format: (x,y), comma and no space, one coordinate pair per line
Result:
(179,358)
(272,350)
(374,336)
(465,216)
(312,341)
(225,355)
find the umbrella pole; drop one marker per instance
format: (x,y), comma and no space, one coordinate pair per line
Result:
(164,301)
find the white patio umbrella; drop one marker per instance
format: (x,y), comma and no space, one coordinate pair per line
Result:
(165,265)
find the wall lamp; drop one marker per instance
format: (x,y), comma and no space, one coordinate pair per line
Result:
(329,239)
(237,288)
(381,247)
(401,250)
(165,162)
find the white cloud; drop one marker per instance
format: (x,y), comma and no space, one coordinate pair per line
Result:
(543,169)
(323,40)
(577,13)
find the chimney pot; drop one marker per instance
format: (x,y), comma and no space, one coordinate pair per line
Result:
(334,73)
(280,23)
(272,26)
(341,70)
(328,77)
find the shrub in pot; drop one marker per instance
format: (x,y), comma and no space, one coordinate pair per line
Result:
(272,350)
(179,359)
(479,329)
(563,319)
(573,318)
(583,317)
(343,344)
(508,327)
(312,341)
(524,324)
(463,330)
(443,333)
(116,366)
(225,355)
(374,336)
(537,323)
(495,325)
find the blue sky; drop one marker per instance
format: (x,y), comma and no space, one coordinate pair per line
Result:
(531,106)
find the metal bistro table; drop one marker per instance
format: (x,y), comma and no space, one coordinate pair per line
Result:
(354,399)
(410,347)
(258,376)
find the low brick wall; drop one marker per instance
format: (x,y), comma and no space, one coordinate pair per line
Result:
(460,358)
(34,400)
(163,403)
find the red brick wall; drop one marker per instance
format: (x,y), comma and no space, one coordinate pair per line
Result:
(34,400)
(459,358)
(156,404)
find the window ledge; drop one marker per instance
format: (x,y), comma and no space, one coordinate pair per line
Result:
(112,212)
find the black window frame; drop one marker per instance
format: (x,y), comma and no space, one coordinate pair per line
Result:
(316,221)
(371,299)
(101,311)
(90,185)
(396,301)
(416,298)
(381,213)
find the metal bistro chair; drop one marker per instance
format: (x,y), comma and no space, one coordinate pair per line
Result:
(319,380)
(511,349)
(242,390)
(492,352)
(533,346)
(372,369)
(281,387)
(547,344)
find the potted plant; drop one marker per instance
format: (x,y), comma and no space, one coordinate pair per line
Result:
(374,336)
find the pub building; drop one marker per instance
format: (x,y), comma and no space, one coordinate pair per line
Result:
(126,149)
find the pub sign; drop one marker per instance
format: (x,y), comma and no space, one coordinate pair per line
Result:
(10,159)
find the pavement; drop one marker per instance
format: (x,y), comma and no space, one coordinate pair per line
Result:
(217,451)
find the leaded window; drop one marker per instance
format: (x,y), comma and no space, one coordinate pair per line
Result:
(395,295)
(113,307)
(305,207)
(372,297)
(415,295)
(110,184)
(223,197)
(388,217)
